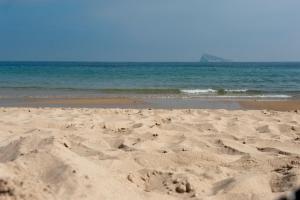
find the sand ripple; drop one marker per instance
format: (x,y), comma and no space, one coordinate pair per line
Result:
(147,154)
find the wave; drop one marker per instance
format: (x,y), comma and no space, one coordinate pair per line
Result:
(237,91)
(209,92)
(135,90)
(199,91)
(225,93)
(234,93)
(219,91)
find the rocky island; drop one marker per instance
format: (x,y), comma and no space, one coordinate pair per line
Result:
(212,58)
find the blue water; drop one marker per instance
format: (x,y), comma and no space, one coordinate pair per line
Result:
(278,80)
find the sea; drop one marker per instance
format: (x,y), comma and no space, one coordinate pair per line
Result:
(194,80)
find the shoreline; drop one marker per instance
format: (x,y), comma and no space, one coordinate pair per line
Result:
(155,103)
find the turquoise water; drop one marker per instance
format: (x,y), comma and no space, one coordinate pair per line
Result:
(227,80)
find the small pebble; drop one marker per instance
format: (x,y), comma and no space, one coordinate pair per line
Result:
(180,189)
(122,146)
(66,145)
(175,181)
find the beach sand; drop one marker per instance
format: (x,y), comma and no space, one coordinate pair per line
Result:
(61,153)
(81,102)
(287,105)
(158,103)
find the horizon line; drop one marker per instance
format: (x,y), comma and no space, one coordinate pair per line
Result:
(108,61)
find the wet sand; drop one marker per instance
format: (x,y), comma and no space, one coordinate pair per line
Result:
(81,102)
(125,102)
(288,105)
(155,103)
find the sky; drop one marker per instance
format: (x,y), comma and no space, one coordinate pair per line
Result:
(149,30)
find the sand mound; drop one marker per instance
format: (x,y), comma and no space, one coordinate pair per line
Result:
(147,154)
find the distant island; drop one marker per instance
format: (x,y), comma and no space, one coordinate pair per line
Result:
(212,58)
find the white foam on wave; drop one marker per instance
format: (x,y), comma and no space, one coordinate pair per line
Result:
(205,92)
(238,90)
(199,91)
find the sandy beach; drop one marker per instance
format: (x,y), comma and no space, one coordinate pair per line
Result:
(149,100)
(157,103)
(61,153)
(287,105)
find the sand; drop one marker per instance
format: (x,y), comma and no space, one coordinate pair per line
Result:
(60,153)
(157,103)
(286,105)
(81,102)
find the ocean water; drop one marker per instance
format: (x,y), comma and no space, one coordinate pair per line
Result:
(187,80)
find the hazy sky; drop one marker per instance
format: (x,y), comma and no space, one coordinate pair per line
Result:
(149,30)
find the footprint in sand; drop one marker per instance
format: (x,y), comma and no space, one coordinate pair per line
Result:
(263,129)
(225,149)
(283,179)
(24,145)
(83,150)
(138,125)
(163,182)
(7,190)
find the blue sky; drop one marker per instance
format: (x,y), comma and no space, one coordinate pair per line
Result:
(149,30)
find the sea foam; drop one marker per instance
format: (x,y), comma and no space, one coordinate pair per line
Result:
(209,90)
(199,91)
